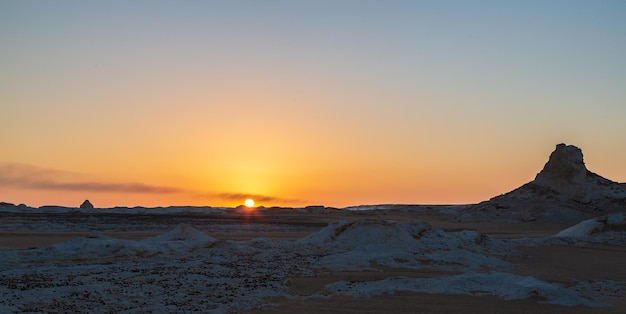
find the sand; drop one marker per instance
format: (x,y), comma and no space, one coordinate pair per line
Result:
(554,263)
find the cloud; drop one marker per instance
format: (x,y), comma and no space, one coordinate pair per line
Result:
(98,187)
(256,197)
(31,177)
(26,176)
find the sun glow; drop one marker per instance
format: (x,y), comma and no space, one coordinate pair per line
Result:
(249,203)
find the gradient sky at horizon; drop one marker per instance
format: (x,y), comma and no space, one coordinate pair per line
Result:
(339,103)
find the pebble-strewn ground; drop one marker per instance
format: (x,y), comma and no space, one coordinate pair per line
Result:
(187,270)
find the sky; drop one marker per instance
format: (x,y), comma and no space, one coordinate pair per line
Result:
(294,103)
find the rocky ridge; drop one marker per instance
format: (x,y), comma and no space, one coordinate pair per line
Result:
(565,191)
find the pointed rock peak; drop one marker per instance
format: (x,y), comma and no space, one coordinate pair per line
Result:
(565,163)
(86,204)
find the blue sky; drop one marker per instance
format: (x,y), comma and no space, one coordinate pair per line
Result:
(236,97)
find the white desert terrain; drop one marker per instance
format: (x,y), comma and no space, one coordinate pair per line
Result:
(556,244)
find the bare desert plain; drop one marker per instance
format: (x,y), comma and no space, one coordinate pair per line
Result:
(370,259)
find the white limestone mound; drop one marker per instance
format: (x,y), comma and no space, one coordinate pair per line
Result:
(87,248)
(182,232)
(504,285)
(599,225)
(358,244)
(367,232)
(180,240)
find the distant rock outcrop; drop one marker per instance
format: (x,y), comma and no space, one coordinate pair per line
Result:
(5,204)
(86,205)
(566,173)
(563,192)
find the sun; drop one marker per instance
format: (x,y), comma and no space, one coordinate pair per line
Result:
(249,203)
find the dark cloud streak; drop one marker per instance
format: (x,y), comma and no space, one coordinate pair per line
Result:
(99,187)
(256,197)
(31,177)
(36,178)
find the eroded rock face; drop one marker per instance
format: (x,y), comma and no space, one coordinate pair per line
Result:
(565,191)
(566,165)
(566,174)
(86,204)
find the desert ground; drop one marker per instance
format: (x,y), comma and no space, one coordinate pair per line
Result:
(269,261)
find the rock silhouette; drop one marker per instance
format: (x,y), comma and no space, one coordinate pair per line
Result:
(86,204)
(565,191)
(5,204)
(565,164)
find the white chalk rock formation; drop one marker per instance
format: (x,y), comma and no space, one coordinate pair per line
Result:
(565,191)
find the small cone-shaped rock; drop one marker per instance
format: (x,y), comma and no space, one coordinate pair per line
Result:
(86,204)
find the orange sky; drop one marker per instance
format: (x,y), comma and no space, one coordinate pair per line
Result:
(189,103)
